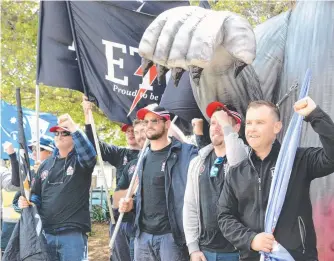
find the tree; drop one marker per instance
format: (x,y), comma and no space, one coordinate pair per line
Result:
(19,24)
(256,11)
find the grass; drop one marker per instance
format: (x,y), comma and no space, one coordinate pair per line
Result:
(98,241)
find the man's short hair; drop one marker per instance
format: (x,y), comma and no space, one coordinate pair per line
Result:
(136,122)
(259,103)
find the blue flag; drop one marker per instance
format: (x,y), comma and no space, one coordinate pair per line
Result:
(9,125)
(280,182)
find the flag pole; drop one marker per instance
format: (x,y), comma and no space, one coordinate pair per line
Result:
(97,145)
(132,183)
(127,196)
(105,184)
(24,173)
(38,153)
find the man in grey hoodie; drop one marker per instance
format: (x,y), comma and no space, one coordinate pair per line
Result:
(206,177)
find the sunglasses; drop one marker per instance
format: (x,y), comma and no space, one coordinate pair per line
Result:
(62,133)
(216,166)
(153,121)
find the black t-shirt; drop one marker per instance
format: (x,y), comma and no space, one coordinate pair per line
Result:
(211,238)
(154,215)
(117,156)
(63,185)
(124,183)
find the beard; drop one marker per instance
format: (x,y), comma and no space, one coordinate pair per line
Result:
(217,141)
(157,135)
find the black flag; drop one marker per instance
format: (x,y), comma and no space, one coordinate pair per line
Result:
(27,242)
(57,63)
(106,36)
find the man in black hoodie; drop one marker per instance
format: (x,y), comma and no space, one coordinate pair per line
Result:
(243,202)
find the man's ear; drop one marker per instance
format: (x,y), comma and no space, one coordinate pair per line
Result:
(278,126)
(168,124)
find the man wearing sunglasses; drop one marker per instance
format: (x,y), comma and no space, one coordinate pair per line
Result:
(206,177)
(159,199)
(62,184)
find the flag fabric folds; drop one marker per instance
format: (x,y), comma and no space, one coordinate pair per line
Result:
(280,182)
(9,125)
(92,47)
(27,242)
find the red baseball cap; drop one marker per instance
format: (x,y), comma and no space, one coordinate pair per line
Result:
(230,110)
(125,127)
(159,111)
(58,128)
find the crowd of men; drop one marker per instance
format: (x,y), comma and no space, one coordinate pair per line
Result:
(198,203)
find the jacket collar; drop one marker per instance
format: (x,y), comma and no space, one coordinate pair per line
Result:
(205,151)
(55,152)
(272,154)
(176,144)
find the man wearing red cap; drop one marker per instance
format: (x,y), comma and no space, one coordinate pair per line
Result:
(123,249)
(119,157)
(206,177)
(128,130)
(159,199)
(62,184)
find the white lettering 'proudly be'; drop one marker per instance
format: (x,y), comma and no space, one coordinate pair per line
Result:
(111,62)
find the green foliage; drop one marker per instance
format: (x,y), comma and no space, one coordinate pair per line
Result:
(19,27)
(98,214)
(256,11)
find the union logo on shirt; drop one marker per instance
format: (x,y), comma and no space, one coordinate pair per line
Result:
(272,170)
(201,170)
(125,160)
(163,166)
(132,169)
(69,171)
(33,181)
(44,174)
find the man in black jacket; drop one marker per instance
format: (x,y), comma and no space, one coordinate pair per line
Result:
(243,202)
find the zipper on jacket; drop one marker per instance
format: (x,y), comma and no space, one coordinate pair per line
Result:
(259,181)
(173,156)
(261,198)
(302,231)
